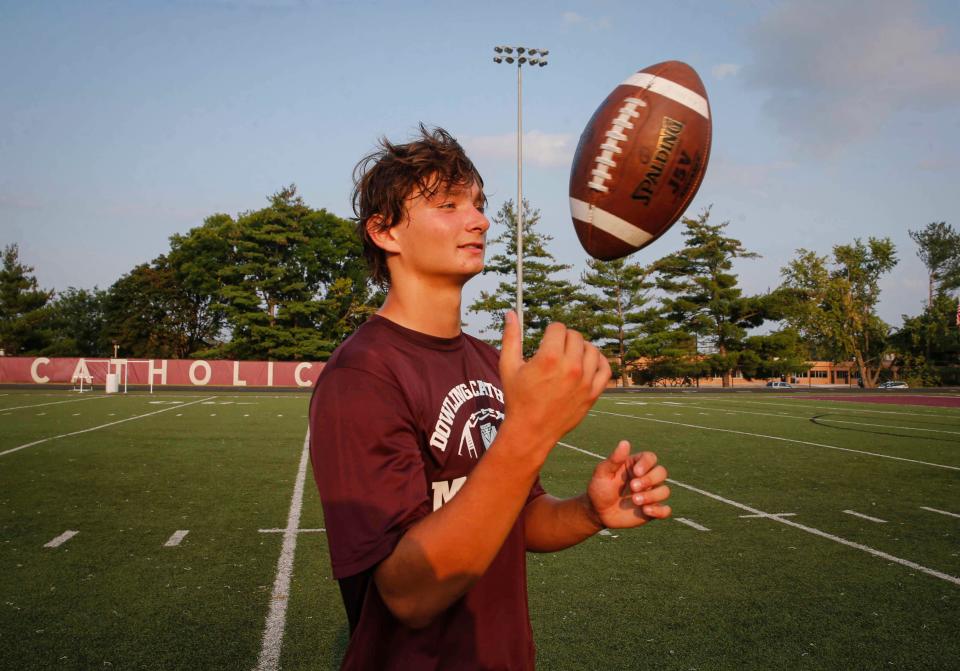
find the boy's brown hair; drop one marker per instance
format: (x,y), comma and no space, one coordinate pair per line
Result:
(385,179)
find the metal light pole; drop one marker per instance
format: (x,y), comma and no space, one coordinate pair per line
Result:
(536,57)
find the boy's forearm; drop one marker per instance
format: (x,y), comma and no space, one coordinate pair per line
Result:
(444,554)
(553,524)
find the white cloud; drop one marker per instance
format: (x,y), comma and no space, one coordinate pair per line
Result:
(835,72)
(548,150)
(580,21)
(724,70)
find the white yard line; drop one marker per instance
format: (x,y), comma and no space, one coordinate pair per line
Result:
(803,402)
(277,617)
(175,539)
(790,523)
(780,438)
(61,539)
(299,531)
(865,517)
(38,405)
(95,428)
(942,512)
(818,419)
(691,523)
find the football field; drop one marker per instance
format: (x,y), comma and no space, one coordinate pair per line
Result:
(184,531)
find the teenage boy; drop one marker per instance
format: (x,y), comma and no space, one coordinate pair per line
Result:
(427,443)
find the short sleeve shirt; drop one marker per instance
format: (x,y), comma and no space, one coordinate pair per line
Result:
(398,421)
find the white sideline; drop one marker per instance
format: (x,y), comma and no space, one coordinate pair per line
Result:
(61,539)
(95,428)
(37,405)
(866,517)
(175,539)
(780,438)
(942,512)
(790,523)
(277,616)
(818,419)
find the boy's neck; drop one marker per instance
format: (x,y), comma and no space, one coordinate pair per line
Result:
(434,311)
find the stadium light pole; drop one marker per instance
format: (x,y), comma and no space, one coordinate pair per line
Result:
(505,54)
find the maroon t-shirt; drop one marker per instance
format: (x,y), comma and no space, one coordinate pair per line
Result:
(397,422)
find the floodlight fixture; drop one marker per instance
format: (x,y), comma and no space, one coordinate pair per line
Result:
(520,60)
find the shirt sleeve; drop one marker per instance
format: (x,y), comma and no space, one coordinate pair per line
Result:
(368,467)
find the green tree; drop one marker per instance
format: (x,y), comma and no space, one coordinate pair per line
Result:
(546,298)
(702,297)
(833,304)
(619,312)
(928,345)
(140,311)
(23,330)
(939,249)
(294,283)
(75,320)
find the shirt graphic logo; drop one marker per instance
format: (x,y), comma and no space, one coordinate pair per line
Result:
(480,427)
(484,422)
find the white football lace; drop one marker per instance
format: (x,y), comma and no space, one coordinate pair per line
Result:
(619,128)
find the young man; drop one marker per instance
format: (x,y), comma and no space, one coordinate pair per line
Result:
(427,443)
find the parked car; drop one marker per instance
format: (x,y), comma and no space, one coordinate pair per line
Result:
(779,385)
(894,384)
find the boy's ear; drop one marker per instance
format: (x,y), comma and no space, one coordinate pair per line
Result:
(383,238)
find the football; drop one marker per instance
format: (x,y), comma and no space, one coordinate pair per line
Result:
(640,160)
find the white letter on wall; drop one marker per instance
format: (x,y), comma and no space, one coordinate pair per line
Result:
(296,374)
(196,381)
(237,382)
(153,371)
(35,370)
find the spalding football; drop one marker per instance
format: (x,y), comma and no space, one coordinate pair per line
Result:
(640,160)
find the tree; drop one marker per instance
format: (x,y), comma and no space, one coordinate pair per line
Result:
(22,328)
(141,312)
(75,319)
(702,297)
(619,313)
(939,249)
(928,345)
(834,304)
(294,284)
(546,298)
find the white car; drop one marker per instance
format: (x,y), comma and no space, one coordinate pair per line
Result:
(894,384)
(779,385)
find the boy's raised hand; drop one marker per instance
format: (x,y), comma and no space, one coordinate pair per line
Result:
(548,395)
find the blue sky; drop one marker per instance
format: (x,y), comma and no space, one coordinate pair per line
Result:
(122,123)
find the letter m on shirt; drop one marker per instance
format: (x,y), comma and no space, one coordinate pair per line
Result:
(443,491)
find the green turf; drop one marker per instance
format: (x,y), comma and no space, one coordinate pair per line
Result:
(751,593)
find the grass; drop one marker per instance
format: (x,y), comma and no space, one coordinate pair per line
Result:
(750,593)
